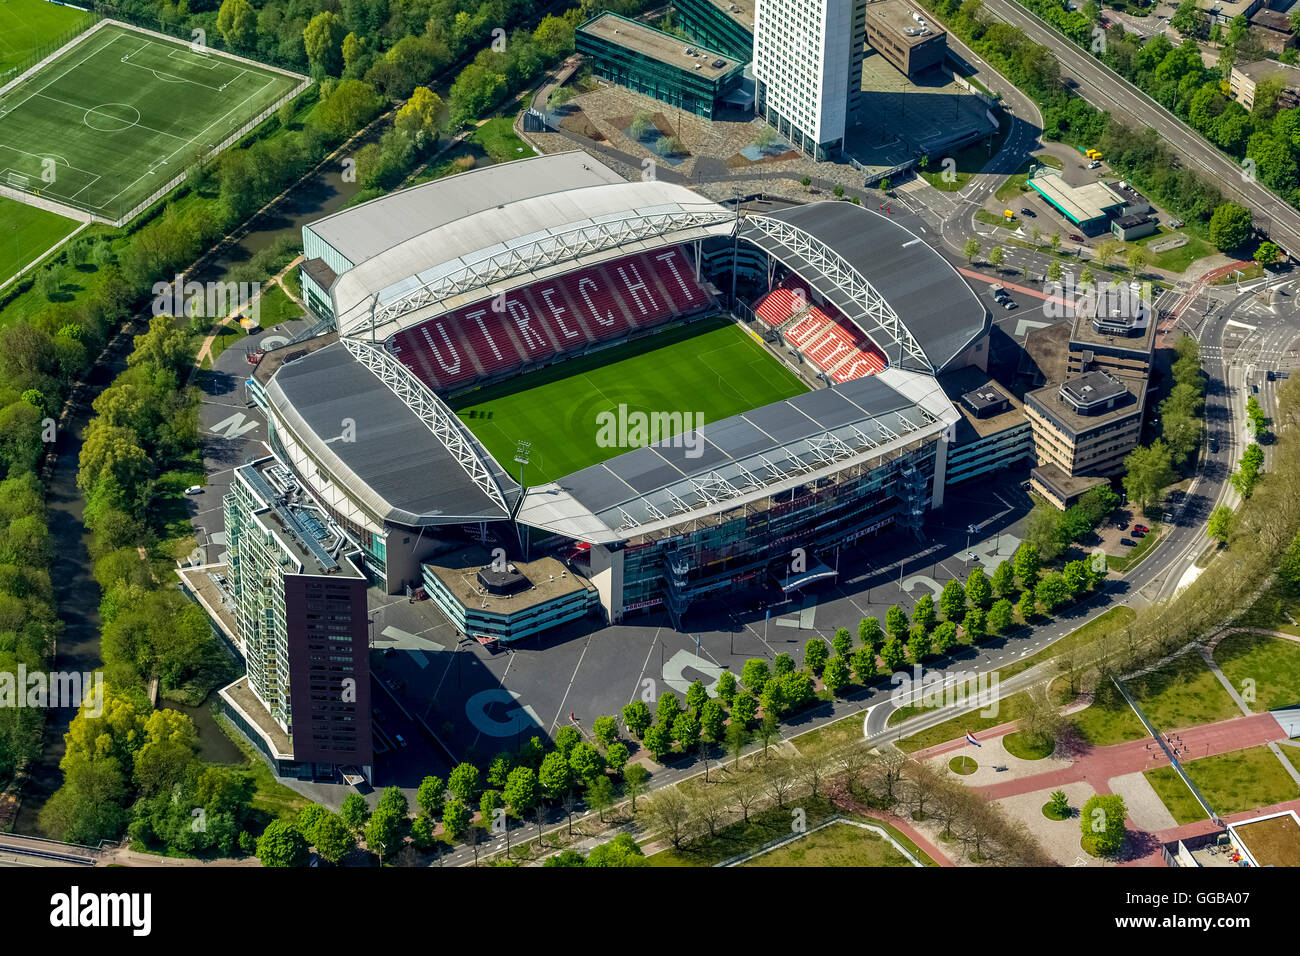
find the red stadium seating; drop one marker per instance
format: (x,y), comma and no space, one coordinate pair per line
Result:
(828,340)
(562,314)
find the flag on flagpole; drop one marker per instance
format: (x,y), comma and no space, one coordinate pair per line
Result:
(970,739)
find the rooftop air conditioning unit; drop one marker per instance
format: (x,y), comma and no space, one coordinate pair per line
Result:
(915,15)
(719,64)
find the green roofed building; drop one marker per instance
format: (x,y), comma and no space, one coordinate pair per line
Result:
(723,25)
(658,64)
(1089,207)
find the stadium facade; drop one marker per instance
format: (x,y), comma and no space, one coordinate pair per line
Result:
(492,274)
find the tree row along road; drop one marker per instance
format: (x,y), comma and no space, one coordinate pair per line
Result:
(1107,90)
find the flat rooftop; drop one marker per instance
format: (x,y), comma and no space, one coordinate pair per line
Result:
(657,45)
(1062,484)
(1273,841)
(1049,401)
(895,17)
(1085,335)
(970,381)
(742,11)
(241,694)
(548,577)
(308,534)
(1080,203)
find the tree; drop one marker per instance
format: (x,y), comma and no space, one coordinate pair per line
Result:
(463,782)
(869,633)
(835,676)
(1004,579)
(769,728)
(864,664)
(566,738)
(945,637)
(696,695)
(725,687)
(919,646)
(1059,803)
(972,626)
(1136,259)
(622,851)
(600,795)
(1054,271)
(636,717)
(892,654)
(1106,251)
(500,769)
(659,741)
(1102,822)
(617,756)
(744,707)
(815,655)
(521,791)
(1027,564)
(896,623)
(418,117)
(668,708)
(1026,606)
(996,256)
(842,642)
(586,761)
(1188,19)
(237,21)
(323,40)
(1267,254)
(332,839)
(686,730)
(669,813)
(490,803)
(737,737)
(605,730)
(635,780)
(923,614)
(755,675)
(430,796)
(971,249)
(1219,524)
(456,818)
(978,589)
(281,844)
(1149,470)
(1051,592)
(952,600)
(354,812)
(712,717)
(475,90)
(1230,226)
(555,775)
(999,616)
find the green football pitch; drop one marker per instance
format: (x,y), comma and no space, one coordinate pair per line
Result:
(30,26)
(25,233)
(714,367)
(120,114)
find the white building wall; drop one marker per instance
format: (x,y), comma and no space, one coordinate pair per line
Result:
(802,56)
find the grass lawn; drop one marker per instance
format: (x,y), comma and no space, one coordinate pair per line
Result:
(1175,260)
(269,796)
(498,139)
(963,765)
(1231,782)
(1017,184)
(1182,693)
(839,844)
(29,27)
(123,112)
(1108,720)
(275,307)
(1171,790)
(1273,664)
(993,219)
(1009,708)
(713,367)
(1018,746)
(27,232)
(1108,622)
(1291,752)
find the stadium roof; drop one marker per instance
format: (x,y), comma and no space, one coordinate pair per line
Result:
(505,233)
(906,297)
(362,232)
(395,467)
(743,459)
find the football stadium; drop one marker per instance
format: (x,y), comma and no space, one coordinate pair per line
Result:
(537,391)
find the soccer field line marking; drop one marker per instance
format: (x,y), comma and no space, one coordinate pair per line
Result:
(111,39)
(91,109)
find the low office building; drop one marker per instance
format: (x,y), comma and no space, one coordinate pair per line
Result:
(723,25)
(1273,30)
(1245,77)
(992,433)
(1060,488)
(668,68)
(1116,334)
(301,624)
(904,36)
(1133,227)
(507,600)
(1223,12)
(1089,207)
(1087,425)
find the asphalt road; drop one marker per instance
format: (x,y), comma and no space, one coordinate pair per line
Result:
(1107,90)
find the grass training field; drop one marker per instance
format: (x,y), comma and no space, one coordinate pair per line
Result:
(1268,667)
(839,844)
(29,26)
(26,232)
(713,367)
(122,113)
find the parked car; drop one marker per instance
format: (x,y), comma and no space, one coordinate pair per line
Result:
(1127,542)
(194,490)
(401,741)
(1176,224)
(1143,529)
(1214,445)
(1075,237)
(1139,534)
(1026,211)
(1009,304)
(1094,164)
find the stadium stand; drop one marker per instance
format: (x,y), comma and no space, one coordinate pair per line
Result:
(828,340)
(558,315)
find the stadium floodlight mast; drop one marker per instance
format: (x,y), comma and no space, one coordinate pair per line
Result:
(523,453)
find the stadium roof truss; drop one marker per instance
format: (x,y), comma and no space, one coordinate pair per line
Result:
(431,410)
(541,250)
(878,319)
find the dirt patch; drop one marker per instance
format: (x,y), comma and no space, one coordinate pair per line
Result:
(579,124)
(741,161)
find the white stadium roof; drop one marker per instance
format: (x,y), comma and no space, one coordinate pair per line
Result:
(529,237)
